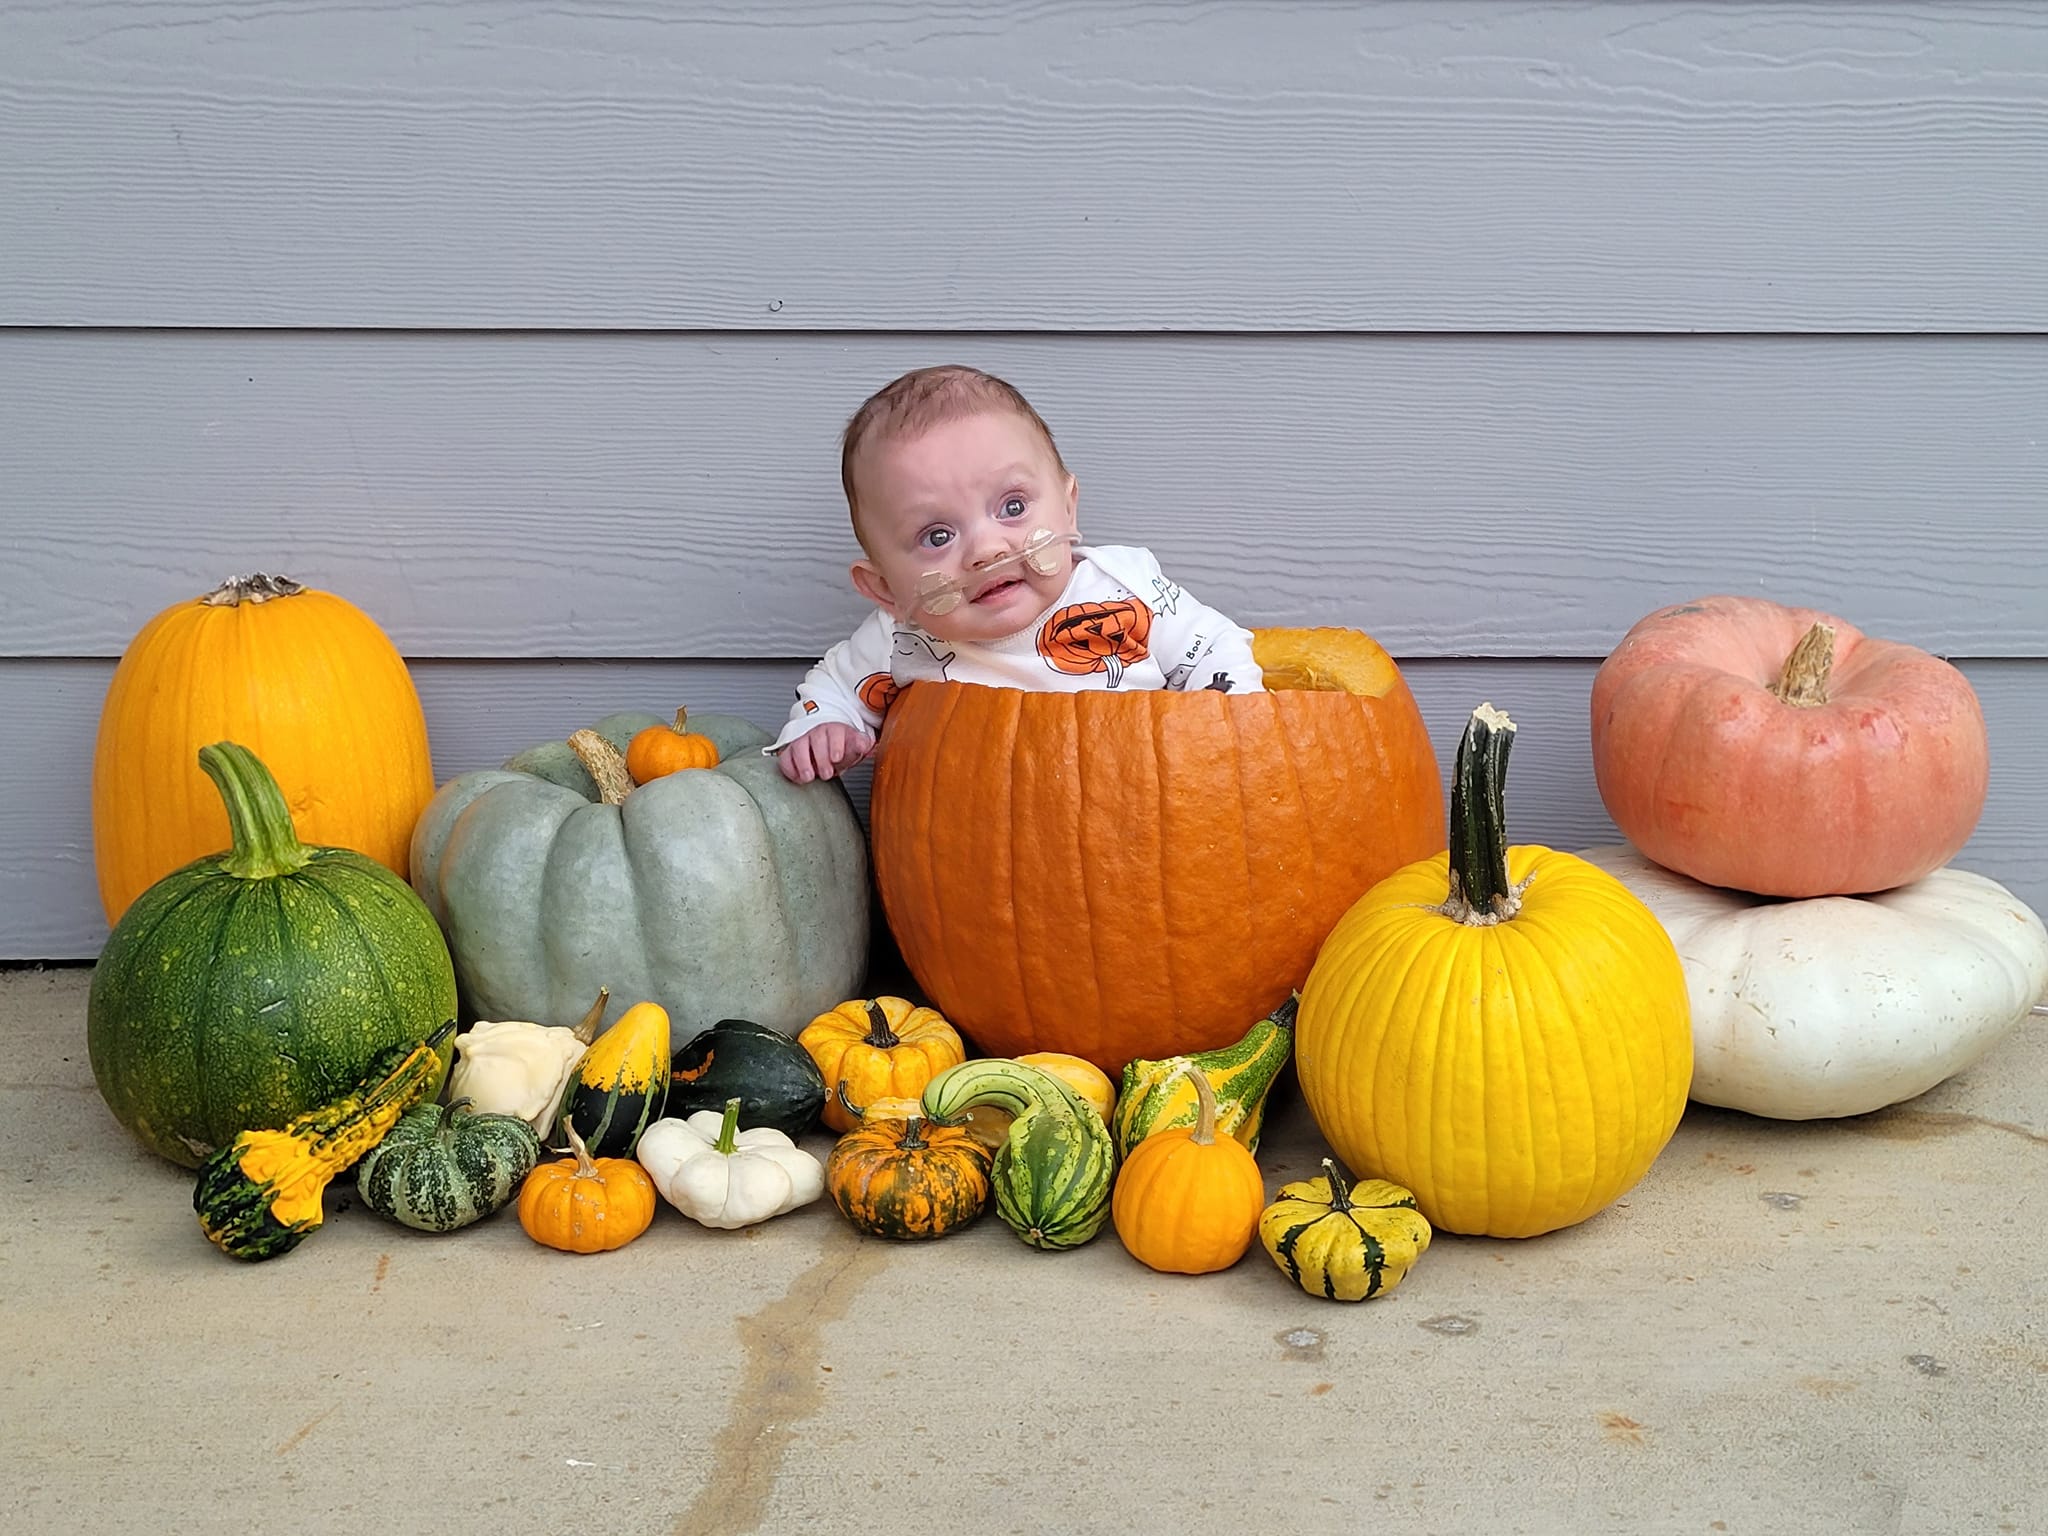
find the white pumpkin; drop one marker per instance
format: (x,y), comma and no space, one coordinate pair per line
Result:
(1839,1005)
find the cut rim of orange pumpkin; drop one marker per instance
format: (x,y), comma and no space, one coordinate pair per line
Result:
(1324,660)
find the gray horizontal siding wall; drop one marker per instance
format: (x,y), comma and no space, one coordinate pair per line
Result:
(1486,327)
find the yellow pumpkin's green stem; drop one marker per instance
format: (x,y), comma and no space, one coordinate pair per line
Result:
(1204,1133)
(1481,894)
(265,842)
(1804,682)
(727,1128)
(1340,1192)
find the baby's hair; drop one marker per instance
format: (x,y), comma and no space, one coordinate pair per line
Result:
(925,398)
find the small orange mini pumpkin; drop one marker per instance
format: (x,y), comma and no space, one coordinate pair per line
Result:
(878,1048)
(583,1204)
(661,750)
(1188,1202)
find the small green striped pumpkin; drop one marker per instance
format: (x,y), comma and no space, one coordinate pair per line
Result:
(443,1167)
(251,986)
(1155,1096)
(1052,1176)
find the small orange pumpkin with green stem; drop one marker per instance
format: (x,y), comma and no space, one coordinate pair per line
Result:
(1188,1201)
(582,1204)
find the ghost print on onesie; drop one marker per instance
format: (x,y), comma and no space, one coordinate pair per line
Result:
(1120,624)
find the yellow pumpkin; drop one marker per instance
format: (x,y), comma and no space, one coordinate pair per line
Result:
(1517,1051)
(1081,1075)
(306,681)
(878,1048)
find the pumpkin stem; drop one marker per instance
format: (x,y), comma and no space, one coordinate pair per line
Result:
(255,588)
(585,1168)
(682,725)
(727,1127)
(1204,1134)
(880,1035)
(1340,1192)
(1804,682)
(587,1030)
(265,842)
(444,1121)
(605,764)
(1481,894)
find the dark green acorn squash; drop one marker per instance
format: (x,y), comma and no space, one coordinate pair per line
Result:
(442,1167)
(774,1078)
(251,986)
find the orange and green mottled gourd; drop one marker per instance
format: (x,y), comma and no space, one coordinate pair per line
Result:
(1188,1200)
(305,680)
(1503,1031)
(901,1176)
(251,986)
(259,1196)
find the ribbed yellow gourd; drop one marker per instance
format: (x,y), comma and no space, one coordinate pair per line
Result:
(1518,1052)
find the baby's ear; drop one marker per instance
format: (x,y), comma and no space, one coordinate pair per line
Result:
(1073,505)
(868,582)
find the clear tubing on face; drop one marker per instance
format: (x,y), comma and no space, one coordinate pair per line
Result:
(938,594)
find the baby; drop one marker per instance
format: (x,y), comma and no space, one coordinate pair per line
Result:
(966,514)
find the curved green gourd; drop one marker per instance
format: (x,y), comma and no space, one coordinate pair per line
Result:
(1052,1176)
(719,893)
(1155,1096)
(442,1167)
(252,985)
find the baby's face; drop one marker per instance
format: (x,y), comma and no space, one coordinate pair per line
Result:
(950,500)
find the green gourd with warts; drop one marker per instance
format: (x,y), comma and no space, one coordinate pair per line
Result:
(443,1167)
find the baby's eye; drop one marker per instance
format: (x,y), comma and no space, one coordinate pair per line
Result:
(1014,506)
(936,538)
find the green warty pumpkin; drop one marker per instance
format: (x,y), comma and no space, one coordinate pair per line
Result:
(443,1167)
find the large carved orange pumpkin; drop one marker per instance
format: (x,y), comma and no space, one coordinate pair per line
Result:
(1782,751)
(303,679)
(1116,875)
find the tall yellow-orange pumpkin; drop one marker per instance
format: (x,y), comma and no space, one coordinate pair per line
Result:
(302,678)
(1116,875)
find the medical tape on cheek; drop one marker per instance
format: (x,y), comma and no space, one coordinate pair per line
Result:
(938,593)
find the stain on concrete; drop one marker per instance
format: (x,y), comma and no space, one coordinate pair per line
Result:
(1782,1199)
(292,1441)
(780,1386)
(1929,1124)
(1620,1427)
(1299,1344)
(1451,1323)
(1927,1365)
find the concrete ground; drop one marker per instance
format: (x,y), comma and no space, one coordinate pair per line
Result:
(1786,1328)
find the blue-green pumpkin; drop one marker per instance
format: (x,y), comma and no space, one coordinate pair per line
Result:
(254,985)
(719,893)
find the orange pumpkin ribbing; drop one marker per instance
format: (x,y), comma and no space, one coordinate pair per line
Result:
(1116,875)
(308,683)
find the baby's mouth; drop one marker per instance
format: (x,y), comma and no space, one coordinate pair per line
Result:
(996,589)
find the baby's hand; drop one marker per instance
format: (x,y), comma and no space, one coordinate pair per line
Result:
(824,751)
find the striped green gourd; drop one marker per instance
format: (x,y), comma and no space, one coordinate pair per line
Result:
(443,1167)
(1052,1175)
(259,1195)
(251,985)
(1156,1097)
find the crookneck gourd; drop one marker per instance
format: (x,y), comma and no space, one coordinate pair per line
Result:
(445,1166)
(259,1195)
(904,1176)
(1503,1031)
(1344,1242)
(1051,1176)
(1157,1094)
(621,1085)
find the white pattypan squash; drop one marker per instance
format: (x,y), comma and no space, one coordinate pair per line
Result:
(721,1176)
(1839,1005)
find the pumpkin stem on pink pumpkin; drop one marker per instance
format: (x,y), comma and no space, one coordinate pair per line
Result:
(1804,681)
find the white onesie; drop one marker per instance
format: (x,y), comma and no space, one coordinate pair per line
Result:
(1119,624)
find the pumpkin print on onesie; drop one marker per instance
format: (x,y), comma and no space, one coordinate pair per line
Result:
(974,562)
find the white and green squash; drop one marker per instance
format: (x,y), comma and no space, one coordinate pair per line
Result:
(1053,1174)
(444,1166)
